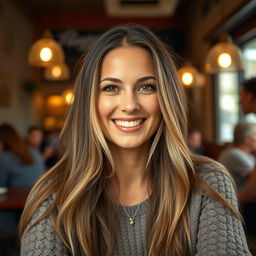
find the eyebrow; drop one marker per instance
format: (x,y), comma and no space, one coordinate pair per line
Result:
(115,80)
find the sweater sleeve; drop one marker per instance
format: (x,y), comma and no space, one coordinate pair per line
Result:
(41,239)
(220,231)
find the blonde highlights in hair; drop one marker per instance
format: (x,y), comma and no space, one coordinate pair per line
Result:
(80,184)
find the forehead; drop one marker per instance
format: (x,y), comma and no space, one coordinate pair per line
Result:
(127,58)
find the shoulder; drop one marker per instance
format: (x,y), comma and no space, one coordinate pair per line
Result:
(217,177)
(234,154)
(211,171)
(40,238)
(6,156)
(7,161)
(215,226)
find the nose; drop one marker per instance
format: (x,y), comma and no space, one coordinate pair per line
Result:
(129,103)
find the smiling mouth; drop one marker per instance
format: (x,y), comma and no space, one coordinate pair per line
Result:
(129,124)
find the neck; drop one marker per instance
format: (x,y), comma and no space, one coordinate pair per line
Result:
(131,177)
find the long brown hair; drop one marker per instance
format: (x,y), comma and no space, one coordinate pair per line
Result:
(80,180)
(13,142)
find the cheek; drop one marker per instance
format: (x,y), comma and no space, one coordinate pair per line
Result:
(105,107)
(154,107)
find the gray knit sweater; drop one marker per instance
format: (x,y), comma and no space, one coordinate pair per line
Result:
(215,231)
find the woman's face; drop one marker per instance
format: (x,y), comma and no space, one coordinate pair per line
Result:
(127,106)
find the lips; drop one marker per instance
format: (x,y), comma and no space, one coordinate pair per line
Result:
(129,125)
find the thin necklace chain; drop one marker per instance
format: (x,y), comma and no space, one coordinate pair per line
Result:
(131,218)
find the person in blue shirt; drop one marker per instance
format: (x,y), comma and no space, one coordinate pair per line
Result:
(20,165)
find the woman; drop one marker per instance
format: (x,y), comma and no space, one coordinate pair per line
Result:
(20,165)
(127,183)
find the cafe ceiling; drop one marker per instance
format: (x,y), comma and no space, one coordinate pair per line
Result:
(112,8)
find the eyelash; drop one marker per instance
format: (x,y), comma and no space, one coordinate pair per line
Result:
(150,87)
(113,88)
(109,88)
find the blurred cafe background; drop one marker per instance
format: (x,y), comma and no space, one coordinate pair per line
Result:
(35,92)
(42,41)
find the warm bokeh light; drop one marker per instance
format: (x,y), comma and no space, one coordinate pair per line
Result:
(69,98)
(187,79)
(55,106)
(55,100)
(224,60)
(46,54)
(56,71)
(49,122)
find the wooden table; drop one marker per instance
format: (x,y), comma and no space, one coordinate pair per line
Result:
(14,199)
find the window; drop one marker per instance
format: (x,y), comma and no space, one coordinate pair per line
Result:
(227,107)
(249,53)
(227,95)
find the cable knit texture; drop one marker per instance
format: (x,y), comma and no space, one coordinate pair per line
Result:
(215,230)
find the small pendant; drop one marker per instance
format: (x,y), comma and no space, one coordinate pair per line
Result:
(131,221)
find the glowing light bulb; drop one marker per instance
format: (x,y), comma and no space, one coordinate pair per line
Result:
(69,97)
(224,60)
(187,79)
(46,54)
(56,71)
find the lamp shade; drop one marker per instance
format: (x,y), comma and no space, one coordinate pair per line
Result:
(45,51)
(225,56)
(57,72)
(188,75)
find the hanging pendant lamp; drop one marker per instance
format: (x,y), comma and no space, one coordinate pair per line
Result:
(45,51)
(225,56)
(188,75)
(57,72)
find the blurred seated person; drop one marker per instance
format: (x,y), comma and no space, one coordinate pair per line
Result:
(195,142)
(20,165)
(34,137)
(248,193)
(247,197)
(248,96)
(50,150)
(238,158)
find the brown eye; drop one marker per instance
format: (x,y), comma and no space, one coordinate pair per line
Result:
(110,88)
(147,88)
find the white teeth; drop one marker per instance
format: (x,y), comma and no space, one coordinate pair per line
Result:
(128,123)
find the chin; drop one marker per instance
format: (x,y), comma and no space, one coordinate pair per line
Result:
(128,144)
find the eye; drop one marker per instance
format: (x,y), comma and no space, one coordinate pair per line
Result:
(110,88)
(147,88)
